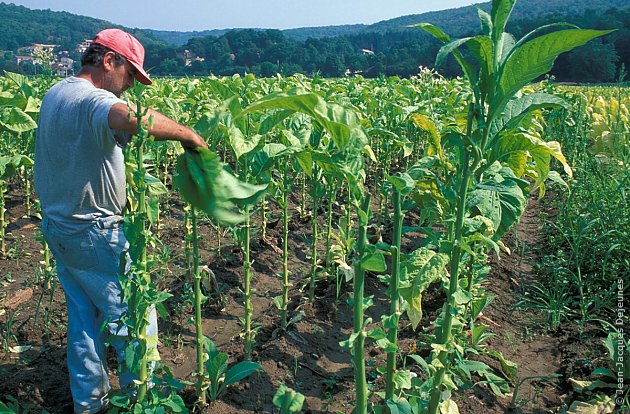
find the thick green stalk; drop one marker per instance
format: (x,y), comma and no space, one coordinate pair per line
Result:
(331,200)
(444,335)
(47,266)
(196,274)
(285,258)
(188,236)
(303,198)
(142,270)
(27,190)
(311,289)
(247,292)
(392,333)
(3,224)
(263,214)
(360,383)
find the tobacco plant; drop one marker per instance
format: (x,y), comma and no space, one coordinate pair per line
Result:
(206,184)
(498,68)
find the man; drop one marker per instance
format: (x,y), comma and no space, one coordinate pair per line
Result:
(80,181)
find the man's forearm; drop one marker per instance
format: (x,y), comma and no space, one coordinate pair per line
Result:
(162,127)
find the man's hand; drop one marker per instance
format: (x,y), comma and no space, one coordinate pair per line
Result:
(197,141)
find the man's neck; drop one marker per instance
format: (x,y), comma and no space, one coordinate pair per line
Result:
(92,75)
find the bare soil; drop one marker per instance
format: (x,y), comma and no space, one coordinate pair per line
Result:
(308,357)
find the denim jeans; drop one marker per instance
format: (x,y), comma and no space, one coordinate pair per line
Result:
(88,264)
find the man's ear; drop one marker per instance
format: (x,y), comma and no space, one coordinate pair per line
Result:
(108,61)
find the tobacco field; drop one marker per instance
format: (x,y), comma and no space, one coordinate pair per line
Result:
(359,245)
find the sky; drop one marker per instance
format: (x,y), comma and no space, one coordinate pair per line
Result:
(188,15)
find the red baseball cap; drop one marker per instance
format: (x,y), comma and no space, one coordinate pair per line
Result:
(127,46)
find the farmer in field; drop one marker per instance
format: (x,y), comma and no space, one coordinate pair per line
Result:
(80,181)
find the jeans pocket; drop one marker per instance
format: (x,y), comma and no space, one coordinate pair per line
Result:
(76,251)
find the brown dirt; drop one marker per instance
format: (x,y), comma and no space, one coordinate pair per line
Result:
(308,358)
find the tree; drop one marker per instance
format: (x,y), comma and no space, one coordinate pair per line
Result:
(593,62)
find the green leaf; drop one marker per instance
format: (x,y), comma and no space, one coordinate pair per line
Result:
(399,405)
(240,371)
(15,120)
(444,38)
(216,367)
(509,368)
(421,268)
(486,22)
(9,165)
(510,148)
(461,297)
(374,262)
(501,199)
(533,59)
(155,187)
(501,10)
(240,144)
(449,407)
(205,184)
(517,109)
(434,31)
(273,119)
(175,403)
(403,183)
(448,49)
(402,379)
(340,122)
(435,142)
(288,398)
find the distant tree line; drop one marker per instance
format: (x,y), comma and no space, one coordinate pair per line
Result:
(388,50)
(267,52)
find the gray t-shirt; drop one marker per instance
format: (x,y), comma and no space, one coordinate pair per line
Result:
(79,164)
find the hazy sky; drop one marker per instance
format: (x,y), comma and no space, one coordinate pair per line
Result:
(184,15)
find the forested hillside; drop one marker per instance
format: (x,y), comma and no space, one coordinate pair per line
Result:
(389,47)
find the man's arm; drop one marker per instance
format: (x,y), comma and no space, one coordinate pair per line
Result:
(164,128)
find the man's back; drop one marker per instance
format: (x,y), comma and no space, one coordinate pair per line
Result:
(79,166)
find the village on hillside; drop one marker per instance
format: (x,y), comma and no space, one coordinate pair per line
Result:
(59,61)
(38,54)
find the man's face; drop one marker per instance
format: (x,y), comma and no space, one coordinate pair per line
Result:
(119,78)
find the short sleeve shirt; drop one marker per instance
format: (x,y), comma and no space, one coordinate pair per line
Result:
(79,163)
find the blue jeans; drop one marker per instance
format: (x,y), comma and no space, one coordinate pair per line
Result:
(88,264)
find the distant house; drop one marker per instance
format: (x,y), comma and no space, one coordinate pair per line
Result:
(82,47)
(22,58)
(35,47)
(63,67)
(367,52)
(188,59)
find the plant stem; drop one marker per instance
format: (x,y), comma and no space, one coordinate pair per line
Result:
(142,208)
(360,383)
(331,200)
(196,274)
(285,256)
(27,190)
(311,289)
(392,333)
(249,340)
(444,335)
(263,214)
(3,224)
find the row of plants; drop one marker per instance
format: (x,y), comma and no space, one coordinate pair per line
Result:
(464,155)
(584,276)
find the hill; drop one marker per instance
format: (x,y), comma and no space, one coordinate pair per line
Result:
(388,47)
(22,26)
(455,21)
